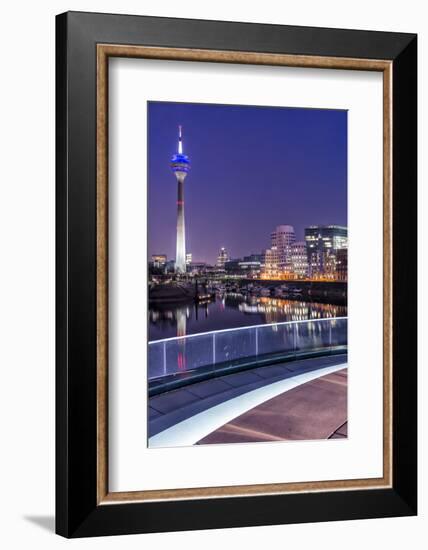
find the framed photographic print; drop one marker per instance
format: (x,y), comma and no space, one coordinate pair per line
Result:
(236,274)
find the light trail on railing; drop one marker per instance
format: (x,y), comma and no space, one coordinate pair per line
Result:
(306,321)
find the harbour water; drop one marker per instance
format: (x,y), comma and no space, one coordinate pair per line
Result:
(231,311)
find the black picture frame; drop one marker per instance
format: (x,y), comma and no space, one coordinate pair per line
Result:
(78,513)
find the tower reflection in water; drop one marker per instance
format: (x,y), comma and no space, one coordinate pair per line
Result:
(227,312)
(172,321)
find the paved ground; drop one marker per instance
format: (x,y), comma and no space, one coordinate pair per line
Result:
(315,410)
(315,401)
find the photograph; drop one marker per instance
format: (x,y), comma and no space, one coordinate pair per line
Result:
(235,274)
(247,266)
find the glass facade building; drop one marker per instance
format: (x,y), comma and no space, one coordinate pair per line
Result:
(299,260)
(222,258)
(323,243)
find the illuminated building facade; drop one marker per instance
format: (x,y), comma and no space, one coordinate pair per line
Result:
(277,259)
(268,265)
(159,260)
(222,258)
(196,268)
(322,245)
(180,165)
(281,240)
(342,264)
(248,266)
(299,260)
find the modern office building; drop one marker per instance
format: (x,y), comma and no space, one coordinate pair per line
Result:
(269,267)
(281,240)
(170,266)
(342,264)
(248,266)
(222,258)
(277,259)
(299,260)
(322,245)
(189,258)
(180,165)
(231,266)
(197,267)
(159,260)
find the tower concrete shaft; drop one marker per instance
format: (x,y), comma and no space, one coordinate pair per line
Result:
(180,258)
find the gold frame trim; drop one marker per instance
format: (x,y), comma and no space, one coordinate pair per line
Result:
(104,51)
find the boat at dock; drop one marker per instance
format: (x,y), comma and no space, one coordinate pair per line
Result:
(175,292)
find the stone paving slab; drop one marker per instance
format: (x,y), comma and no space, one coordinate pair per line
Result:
(209,387)
(242,378)
(271,370)
(172,401)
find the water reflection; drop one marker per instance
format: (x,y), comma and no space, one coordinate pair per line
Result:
(231,311)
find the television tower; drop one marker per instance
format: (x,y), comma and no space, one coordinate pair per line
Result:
(180,165)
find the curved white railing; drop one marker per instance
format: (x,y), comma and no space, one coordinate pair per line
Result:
(231,346)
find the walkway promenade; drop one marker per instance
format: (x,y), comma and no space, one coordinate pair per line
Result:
(294,400)
(314,410)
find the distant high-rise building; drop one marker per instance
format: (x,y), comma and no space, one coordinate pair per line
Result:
(342,264)
(277,259)
(322,245)
(281,240)
(231,266)
(222,258)
(189,258)
(180,165)
(268,265)
(299,260)
(197,267)
(253,258)
(159,260)
(250,265)
(170,266)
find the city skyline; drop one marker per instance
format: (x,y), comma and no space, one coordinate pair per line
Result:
(235,149)
(231,256)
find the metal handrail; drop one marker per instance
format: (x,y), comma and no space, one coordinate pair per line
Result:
(234,349)
(212,332)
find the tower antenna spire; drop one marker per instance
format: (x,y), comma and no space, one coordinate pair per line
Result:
(180,142)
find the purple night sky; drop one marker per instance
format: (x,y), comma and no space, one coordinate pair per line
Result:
(252,168)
